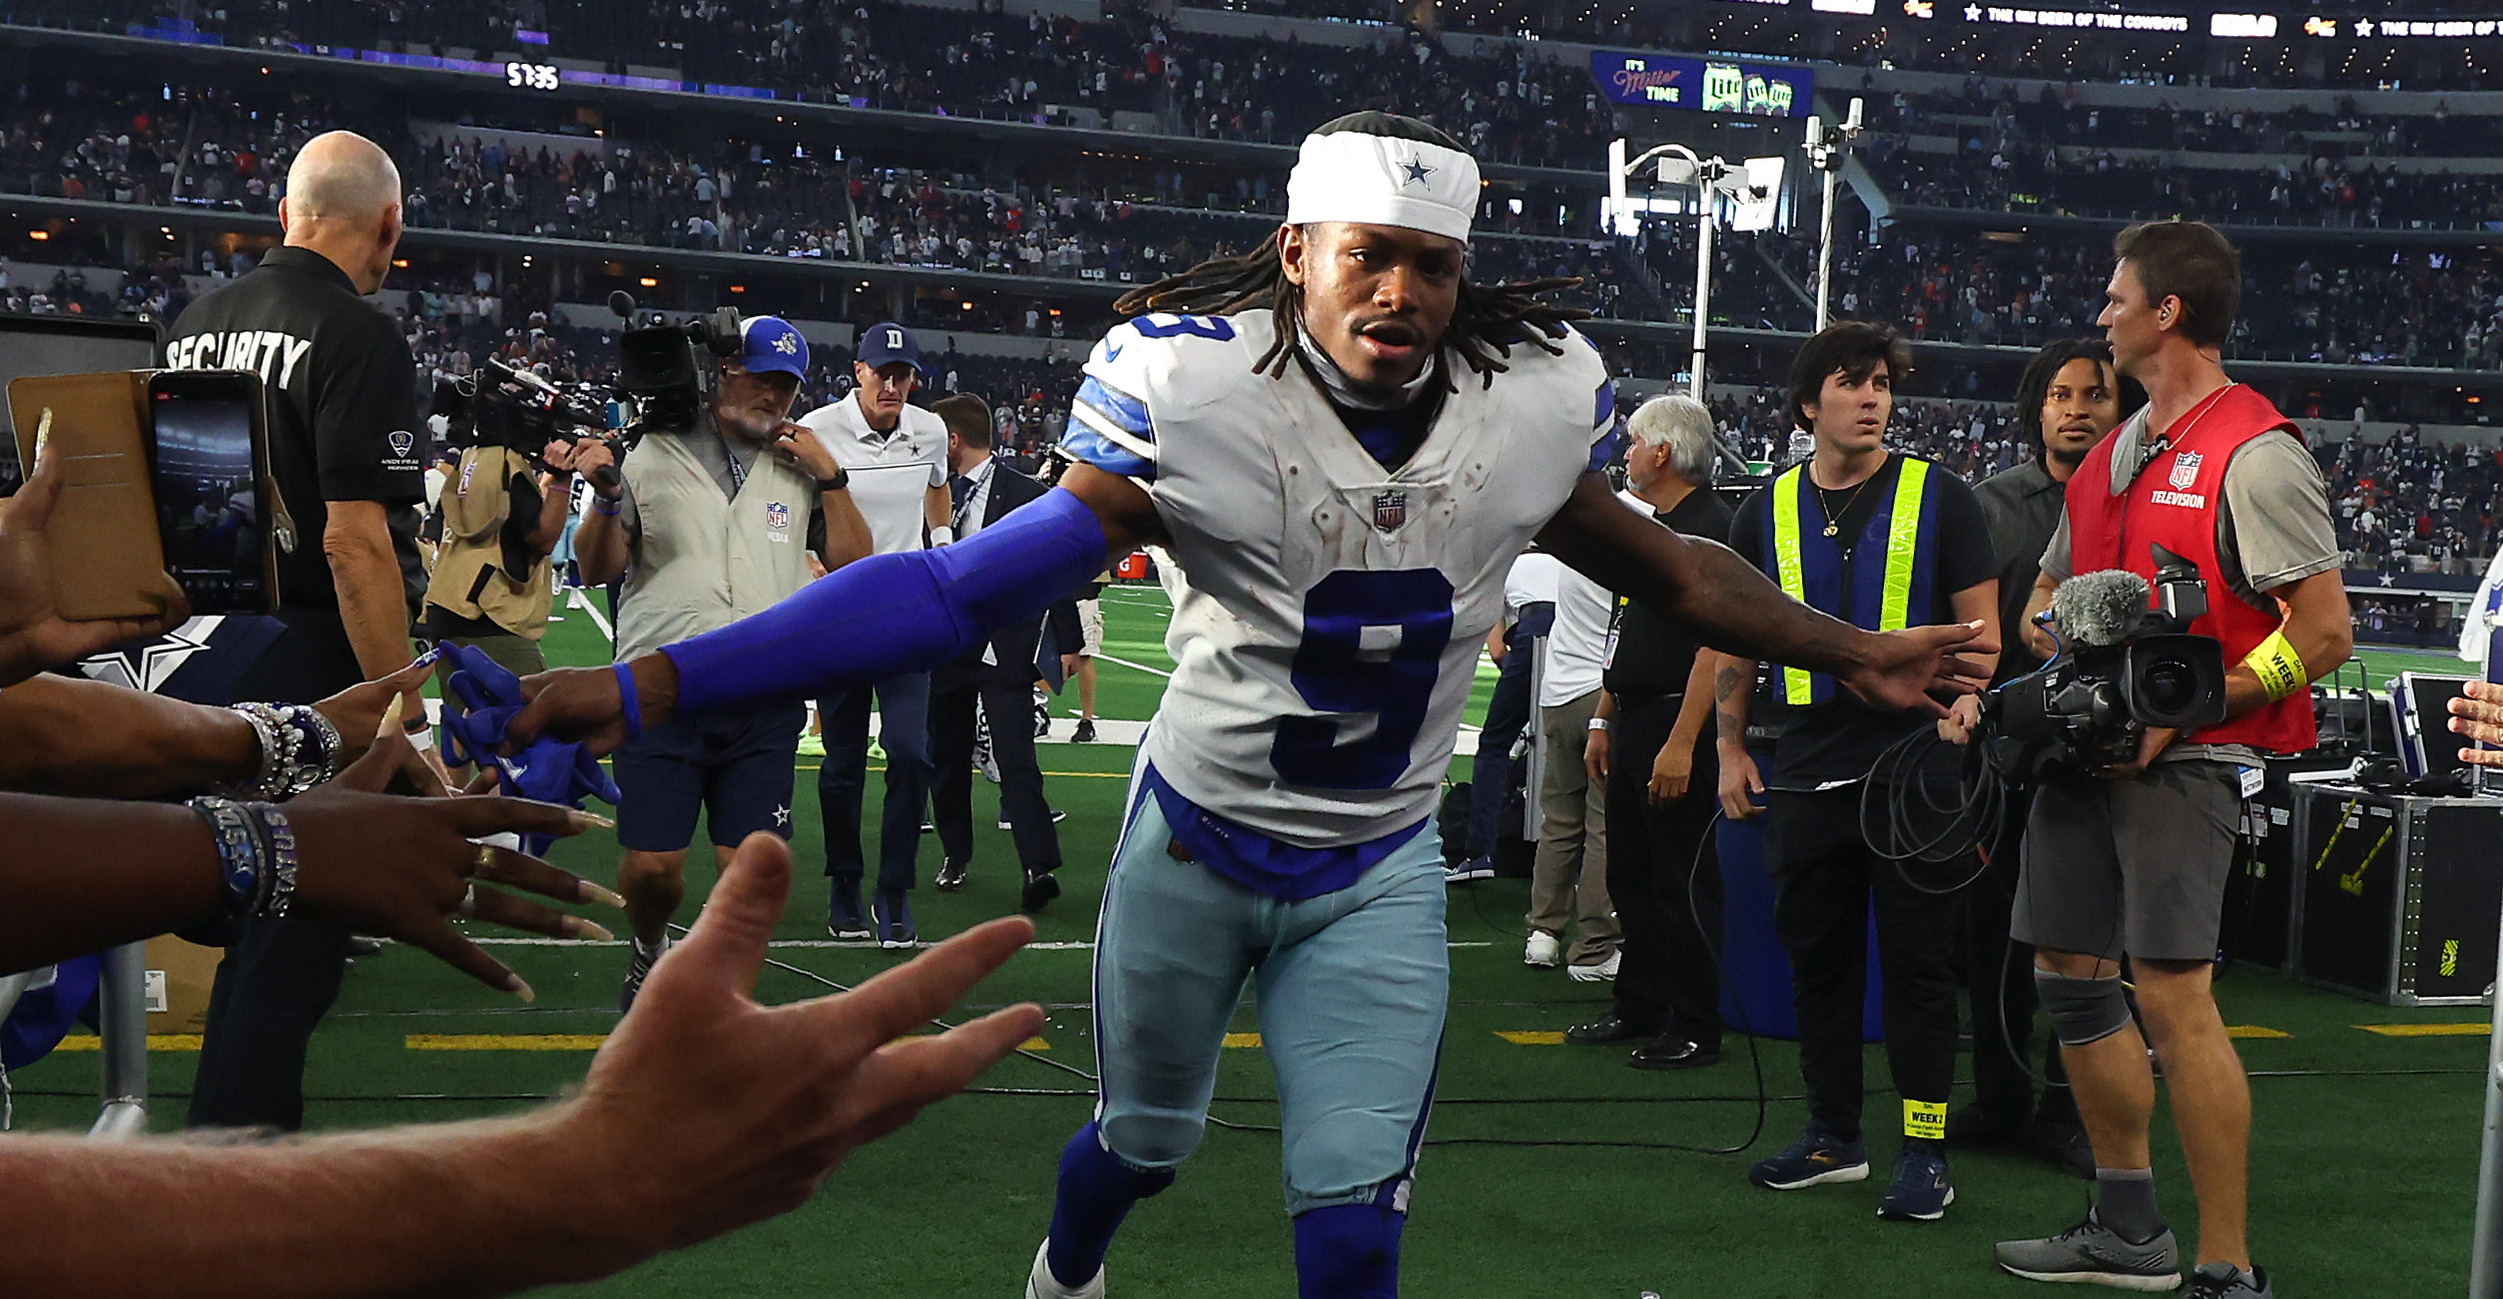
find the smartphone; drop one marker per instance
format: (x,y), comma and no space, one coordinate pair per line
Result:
(208,461)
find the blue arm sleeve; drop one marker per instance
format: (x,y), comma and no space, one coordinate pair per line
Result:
(892,614)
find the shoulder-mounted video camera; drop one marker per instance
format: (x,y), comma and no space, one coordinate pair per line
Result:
(667,376)
(2128,662)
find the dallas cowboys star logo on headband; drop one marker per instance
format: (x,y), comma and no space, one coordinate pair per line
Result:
(1353,175)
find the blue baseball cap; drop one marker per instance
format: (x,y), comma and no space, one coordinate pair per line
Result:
(886,343)
(772,344)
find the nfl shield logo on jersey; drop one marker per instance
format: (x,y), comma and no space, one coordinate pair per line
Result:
(1390,509)
(2185,470)
(777,516)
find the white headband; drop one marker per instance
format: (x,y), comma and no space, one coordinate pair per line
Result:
(1379,180)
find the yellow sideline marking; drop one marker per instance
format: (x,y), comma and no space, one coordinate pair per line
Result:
(2428,1030)
(156,1042)
(1237,1041)
(504,1041)
(2248,1031)
(1526,1037)
(1034,1044)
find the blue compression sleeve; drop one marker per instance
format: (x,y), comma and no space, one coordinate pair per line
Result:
(892,614)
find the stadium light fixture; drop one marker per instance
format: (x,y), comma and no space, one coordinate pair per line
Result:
(1752,189)
(1829,151)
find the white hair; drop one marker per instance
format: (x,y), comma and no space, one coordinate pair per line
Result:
(1686,426)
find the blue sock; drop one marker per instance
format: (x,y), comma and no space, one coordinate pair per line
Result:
(1348,1251)
(1095,1194)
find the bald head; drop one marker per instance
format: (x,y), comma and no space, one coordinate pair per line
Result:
(343,201)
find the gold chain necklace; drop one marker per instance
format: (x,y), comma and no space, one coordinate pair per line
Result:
(1833,517)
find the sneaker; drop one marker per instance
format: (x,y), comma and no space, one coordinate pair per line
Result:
(844,918)
(951,876)
(1601,972)
(1040,889)
(1041,1284)
(893,916)
(1920,1192)
(638,965)
(1545,951)
(1816,1158)
(1475,868)
(2225,1281)
(1058,816)
(1085,734)
(2097,1255)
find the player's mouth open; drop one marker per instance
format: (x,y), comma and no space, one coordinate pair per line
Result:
(1389,341)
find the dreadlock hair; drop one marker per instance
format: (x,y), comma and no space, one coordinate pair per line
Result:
(1486,321)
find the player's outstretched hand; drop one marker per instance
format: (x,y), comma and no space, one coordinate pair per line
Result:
(585,706)
(1904,667)
(2478,715)
(33,634)
(705,1111)
(358,711)
(400,867)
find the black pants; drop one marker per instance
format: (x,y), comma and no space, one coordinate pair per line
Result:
(1664,877)
(279,976)
(1999,981)
(1825,878)
(1007,698)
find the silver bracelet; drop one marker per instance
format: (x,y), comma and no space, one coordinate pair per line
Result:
(275,740)
(317,754)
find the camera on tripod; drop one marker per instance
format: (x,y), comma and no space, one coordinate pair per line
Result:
(667,376)
(2129,662)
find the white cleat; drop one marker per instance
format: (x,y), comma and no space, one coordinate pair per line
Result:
(1545,951)
(1041,1284)
(1600,973)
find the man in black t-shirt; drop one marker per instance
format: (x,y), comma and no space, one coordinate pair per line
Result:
(1651,748)
(347,456)
(1880,540)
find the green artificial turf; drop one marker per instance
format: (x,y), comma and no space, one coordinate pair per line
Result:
(2363,1176)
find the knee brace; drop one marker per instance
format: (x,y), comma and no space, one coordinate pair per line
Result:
(1348,1251)
(2082,1011)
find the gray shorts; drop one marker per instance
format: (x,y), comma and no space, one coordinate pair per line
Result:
(2130,866)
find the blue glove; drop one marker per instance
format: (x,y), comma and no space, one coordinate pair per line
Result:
(548,771)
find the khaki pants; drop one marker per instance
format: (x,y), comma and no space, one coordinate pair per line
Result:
(1570,878)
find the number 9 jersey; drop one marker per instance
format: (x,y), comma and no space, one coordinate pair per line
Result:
(1327,627)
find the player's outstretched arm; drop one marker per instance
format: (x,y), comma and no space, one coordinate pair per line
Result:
(1736,609)
(703,1112)
(880,617)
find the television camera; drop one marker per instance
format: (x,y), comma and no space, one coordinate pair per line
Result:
(666,379)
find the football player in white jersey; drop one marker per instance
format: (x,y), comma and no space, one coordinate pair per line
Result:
(1342,443)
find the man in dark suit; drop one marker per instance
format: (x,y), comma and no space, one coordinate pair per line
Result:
(999,674)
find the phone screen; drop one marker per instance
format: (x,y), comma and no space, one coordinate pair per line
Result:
(208,504)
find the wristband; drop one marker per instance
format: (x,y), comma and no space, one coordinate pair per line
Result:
(942,535)
(1599,723)
(630,701)
(238,854)
(2278,667)
(842,479)
(610,506)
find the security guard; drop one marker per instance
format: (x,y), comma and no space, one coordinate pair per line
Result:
(1882,540)
(345,453)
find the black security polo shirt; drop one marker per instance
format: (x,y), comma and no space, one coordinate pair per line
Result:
(1654,653)
(343,404)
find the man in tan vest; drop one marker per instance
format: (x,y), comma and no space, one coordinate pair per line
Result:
(706,526)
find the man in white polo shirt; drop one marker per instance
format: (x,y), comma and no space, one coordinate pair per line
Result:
(896,454)
(1569,881)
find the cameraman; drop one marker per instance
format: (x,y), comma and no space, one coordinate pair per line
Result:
(2067,402)
(701,526)
(2132,860)
(502,517)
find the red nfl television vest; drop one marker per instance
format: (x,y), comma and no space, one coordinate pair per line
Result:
(2174,502)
